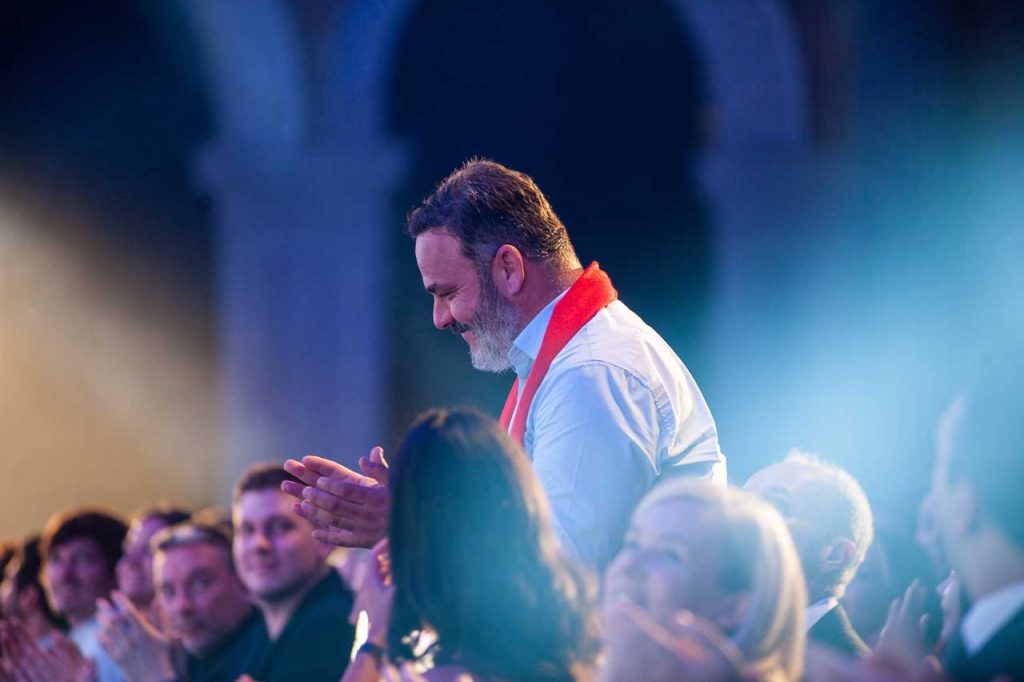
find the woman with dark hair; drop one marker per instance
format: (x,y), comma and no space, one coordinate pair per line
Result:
(479,585)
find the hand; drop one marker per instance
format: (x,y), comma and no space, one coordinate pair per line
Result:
(348,509)
(139,649)
(376,593)
(827,665)
(25,661)
(684,647)
(903,636)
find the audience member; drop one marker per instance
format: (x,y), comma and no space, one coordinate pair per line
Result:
(723,556)
(80,550)
(830,520)
(979,511)
(479,585)
(303,601)
(23,597)
(893,561)
(135,569)
(214,630)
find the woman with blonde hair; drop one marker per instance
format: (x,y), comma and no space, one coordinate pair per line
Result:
(701,561)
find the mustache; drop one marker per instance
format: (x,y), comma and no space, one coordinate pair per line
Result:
(458,328)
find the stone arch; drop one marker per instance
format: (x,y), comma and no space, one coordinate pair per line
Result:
(749,49)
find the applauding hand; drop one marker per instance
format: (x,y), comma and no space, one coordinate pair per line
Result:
(139,649)
(348,509)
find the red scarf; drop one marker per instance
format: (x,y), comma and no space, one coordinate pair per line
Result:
(585,298)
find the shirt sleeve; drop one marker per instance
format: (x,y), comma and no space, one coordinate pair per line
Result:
(593,434)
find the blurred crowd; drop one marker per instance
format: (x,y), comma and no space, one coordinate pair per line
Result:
(784,578)
(590,534)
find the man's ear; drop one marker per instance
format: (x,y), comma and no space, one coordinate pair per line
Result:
(838,556)
(508,270)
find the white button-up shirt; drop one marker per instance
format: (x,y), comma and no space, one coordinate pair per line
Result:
(616,411)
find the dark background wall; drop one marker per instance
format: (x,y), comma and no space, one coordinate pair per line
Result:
(879,249)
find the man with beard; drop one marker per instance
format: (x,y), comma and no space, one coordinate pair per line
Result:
(80,550)
(303,601)
(601,404)
(213,632)
(830,520)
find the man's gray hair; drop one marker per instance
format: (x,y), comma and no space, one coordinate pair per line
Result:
(191,533)
(844,510)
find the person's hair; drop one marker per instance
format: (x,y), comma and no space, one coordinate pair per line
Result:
(486,205)
(755,555)
(23,570)
(258,477)
(191,533)
(104,528)
(841,511)
(475,559)
(984,429)
(167,513)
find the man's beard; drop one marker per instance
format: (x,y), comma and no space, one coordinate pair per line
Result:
(495,326)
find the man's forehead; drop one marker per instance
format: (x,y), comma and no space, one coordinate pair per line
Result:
(260,504)
(785,476)
(439,252)
(188,557)
(81,543)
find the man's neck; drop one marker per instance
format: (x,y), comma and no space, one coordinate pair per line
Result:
(75,620)
(544,283)
(276,614)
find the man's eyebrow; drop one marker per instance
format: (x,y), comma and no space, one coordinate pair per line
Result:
(435,286)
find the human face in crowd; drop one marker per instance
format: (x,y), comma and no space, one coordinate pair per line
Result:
(463,303)
(135,569)
(202,599)
(275,553)
(9,595)
(75,575)
(784,486)
(669,564)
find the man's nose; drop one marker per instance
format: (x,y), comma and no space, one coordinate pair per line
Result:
(442,315)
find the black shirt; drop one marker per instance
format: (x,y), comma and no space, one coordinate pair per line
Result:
(230,659)
(316,644)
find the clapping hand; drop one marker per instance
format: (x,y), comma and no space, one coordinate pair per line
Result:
(25,661)
(139,649)
(347,508)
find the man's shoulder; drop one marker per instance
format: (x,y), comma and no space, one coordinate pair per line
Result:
(1002,654)
(323,613)
(617,337)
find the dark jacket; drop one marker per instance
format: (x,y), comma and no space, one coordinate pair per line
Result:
(316,644)
(1001,656)
(834,631)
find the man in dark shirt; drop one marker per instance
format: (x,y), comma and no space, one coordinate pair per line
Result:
(979,512)
(304,603)
(208,611)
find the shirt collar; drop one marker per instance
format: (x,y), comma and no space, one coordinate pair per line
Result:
(989,614)
(526,346)
(818,609)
